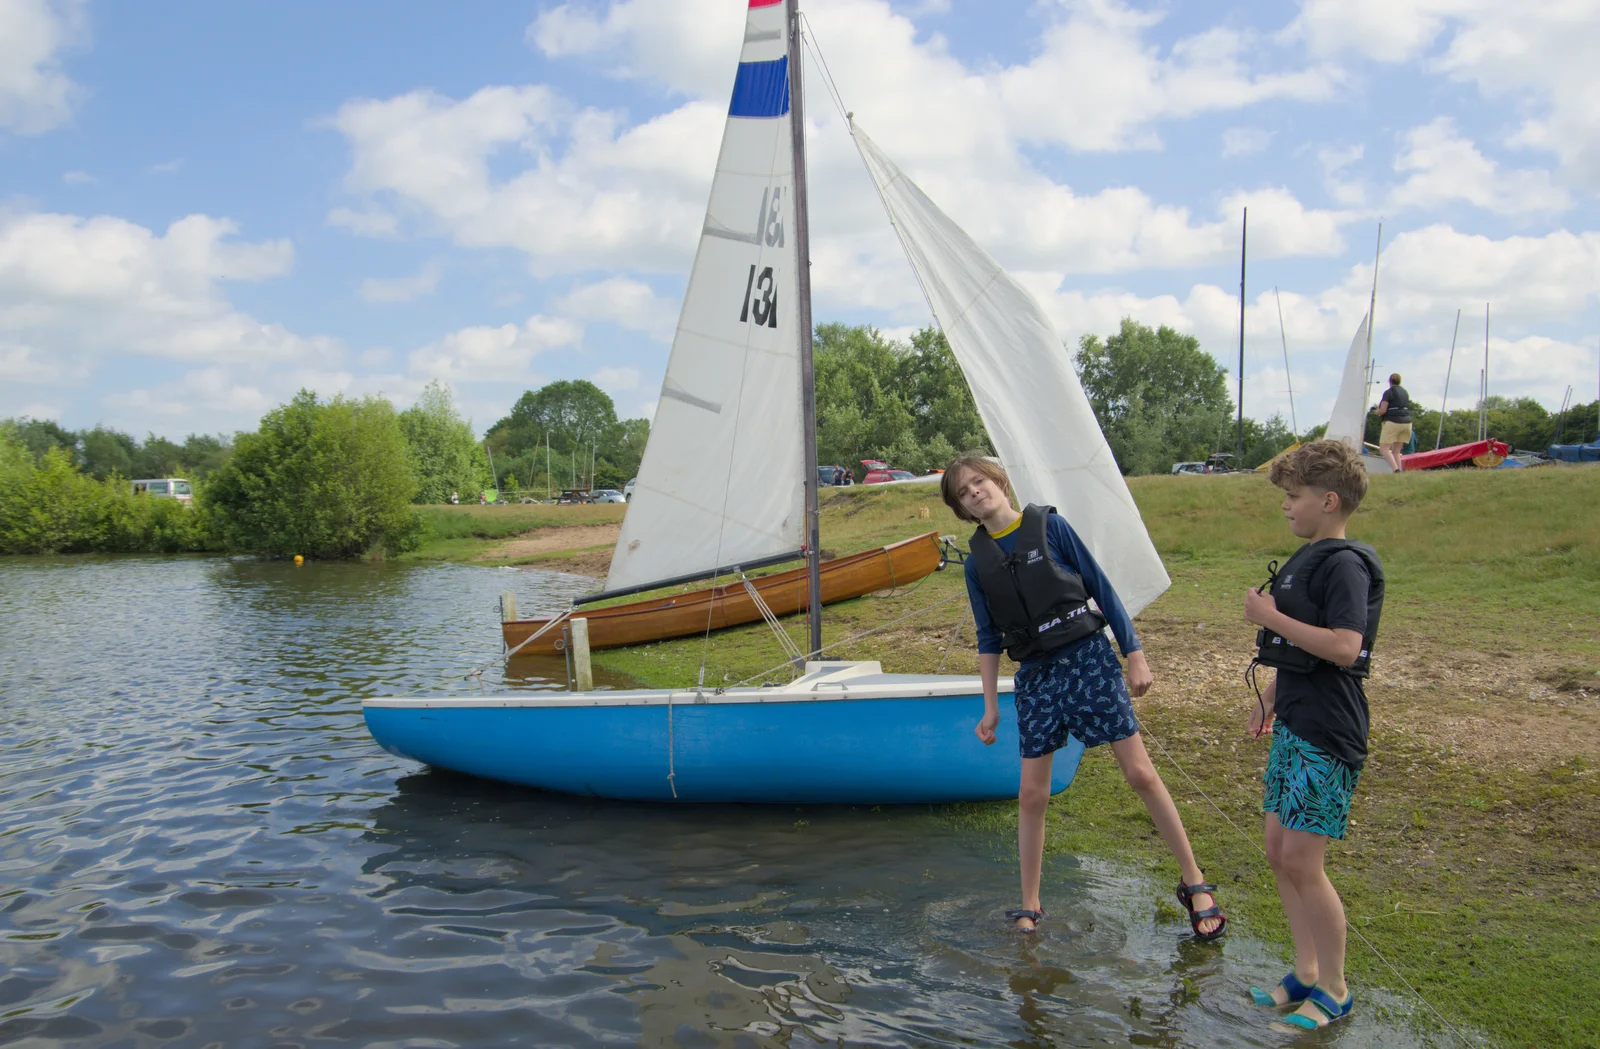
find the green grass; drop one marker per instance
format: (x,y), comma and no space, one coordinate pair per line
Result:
(1473,874)
(462,533)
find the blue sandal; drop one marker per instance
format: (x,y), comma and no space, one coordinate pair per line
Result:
(1331,1009)
(1034,916)
(1298,992)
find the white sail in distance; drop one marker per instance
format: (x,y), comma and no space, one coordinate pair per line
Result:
(1348,423)
(1026,391)
(722,479)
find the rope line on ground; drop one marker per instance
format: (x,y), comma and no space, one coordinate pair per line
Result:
(1348,925)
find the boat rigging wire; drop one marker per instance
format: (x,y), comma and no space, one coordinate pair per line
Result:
(784,640)
(845,641)
(954,636)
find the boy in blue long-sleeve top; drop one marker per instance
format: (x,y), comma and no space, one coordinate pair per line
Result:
(1030,579)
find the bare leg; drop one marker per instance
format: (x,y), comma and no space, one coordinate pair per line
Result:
(1146,782)
(1033,797)
(1300,926)
(1391,452)
(1300,856)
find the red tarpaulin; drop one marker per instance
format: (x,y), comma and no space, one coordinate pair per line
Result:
(1456,454)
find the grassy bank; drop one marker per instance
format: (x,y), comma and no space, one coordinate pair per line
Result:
(479,533)
(1475,845)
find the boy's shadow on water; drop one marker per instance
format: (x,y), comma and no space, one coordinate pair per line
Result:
(834,919)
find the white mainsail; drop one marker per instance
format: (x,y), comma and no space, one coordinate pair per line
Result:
(1348,423)
(722,480)
(1026,390)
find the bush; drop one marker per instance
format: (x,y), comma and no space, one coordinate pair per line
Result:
(50,506)
(323,480)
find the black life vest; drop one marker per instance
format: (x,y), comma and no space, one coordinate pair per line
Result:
(1038,606)
(1399,402)
(1291,590)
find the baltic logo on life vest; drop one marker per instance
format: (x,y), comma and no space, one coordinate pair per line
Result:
(1035,555)
(1058,620)
(1288,581)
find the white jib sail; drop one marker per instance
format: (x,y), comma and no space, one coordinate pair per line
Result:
(722,480)
(1348,423)
(1026,390)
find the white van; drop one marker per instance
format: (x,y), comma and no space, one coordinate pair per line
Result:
(165,488)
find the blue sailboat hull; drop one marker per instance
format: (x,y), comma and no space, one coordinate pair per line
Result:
(871,738)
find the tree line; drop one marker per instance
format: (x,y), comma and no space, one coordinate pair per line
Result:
(341,477)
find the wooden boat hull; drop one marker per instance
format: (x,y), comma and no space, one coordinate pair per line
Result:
(679,615)
(845,733)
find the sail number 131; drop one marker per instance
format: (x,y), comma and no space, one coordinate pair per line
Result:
(760,298)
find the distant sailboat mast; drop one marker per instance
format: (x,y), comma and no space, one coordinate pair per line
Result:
(1284,336)
(1448,368)
(1372,319)
(1244,233)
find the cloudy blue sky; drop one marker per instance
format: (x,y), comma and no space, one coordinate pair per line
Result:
(205,206)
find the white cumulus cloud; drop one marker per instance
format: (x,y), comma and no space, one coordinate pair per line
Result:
(1444,166)
(484,353)
(35,95)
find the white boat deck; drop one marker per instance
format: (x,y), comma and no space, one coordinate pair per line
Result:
(823,680)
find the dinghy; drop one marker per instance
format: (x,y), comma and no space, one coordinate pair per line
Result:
(717,607)
(729,483)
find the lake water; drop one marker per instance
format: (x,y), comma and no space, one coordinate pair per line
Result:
(200,845)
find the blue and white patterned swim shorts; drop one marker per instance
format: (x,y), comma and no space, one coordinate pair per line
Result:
(1081,694)
(1306,787)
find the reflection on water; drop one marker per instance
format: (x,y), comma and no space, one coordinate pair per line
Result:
(200,845)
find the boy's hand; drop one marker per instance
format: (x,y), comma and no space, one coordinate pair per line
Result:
(986,727)
(1139,677)
(1258,720)
(1259,607)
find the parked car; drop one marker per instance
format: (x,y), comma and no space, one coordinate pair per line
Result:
(835,476)
(575,495)
(878,472)
(1216,463)
(165,488)
(607,495)
(627,489)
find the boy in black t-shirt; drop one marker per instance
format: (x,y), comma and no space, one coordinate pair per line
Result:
(1317,624)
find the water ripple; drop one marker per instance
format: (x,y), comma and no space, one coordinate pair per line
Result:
(201,846)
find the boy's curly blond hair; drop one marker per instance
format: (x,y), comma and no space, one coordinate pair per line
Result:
(1330,465)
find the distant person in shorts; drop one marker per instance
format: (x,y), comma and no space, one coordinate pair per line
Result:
(1318,617)
(1030,578)
(1395,410)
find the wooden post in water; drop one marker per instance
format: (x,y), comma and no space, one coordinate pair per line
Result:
(580,655)
(508,606)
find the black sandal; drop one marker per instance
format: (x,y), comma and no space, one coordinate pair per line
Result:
(1034,916)
(1186,894)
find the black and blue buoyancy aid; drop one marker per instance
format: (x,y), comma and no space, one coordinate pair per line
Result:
(1291,590)
(1037,605)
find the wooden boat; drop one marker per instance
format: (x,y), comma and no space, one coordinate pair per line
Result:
(679,615)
